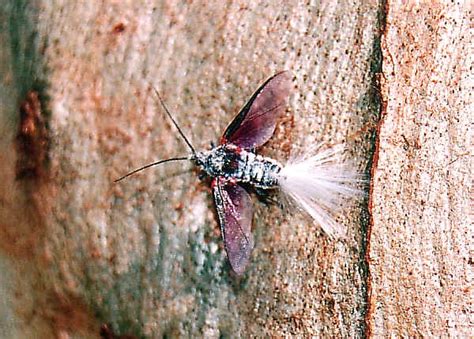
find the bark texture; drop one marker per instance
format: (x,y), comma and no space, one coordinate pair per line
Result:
(144,258)
(420,253)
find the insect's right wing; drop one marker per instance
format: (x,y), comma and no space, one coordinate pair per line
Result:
(256,121)
(234,208)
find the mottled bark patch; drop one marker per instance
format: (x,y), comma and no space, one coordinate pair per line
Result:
(32,140)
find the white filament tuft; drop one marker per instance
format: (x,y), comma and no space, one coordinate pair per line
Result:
(319,183)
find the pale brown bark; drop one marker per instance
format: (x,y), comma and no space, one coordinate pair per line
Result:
(421,240)
(145,256)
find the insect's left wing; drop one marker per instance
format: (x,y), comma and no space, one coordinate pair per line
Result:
(256,121)
(234,208)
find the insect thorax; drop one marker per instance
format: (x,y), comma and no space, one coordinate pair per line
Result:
(243,166)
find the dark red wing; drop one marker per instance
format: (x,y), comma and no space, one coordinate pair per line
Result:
(234,208)
(256,122)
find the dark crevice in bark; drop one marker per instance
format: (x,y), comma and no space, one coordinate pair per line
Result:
(376,107)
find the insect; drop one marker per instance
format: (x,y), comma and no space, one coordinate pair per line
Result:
(312,182)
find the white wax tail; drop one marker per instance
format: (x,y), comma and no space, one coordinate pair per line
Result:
(319,183)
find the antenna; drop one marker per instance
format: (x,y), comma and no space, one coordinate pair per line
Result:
(174,122)
(150,165)
(164,160)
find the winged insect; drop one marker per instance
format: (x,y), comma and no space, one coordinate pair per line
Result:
(314,182)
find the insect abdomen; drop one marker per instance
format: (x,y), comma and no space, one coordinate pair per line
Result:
(232,163)
(257,170)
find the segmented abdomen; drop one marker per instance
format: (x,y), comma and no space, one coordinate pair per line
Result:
(257,170)
(237,164)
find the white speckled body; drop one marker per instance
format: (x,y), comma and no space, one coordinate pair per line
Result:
(232,163)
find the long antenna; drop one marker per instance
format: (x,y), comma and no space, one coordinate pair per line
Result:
(174,122)
(150,165)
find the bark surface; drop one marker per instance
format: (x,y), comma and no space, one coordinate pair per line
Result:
(420,253)
(82,256)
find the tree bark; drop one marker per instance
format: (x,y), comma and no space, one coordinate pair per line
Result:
(85,257)
(420,261)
